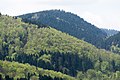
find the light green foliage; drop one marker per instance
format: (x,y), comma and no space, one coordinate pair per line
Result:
(18,70)
(53,50)
(67,22)
(115,49)
(46,58)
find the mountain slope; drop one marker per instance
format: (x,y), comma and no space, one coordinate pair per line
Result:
(110,32)
(113,43)
(68,23)
(51,49)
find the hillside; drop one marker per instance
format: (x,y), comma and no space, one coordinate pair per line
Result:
(110,32)
(112,43)
(67,22)
(54,50)
(15,70)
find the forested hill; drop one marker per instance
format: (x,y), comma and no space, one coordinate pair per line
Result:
(67,22)
(110,32)
(51,49)
(112,43)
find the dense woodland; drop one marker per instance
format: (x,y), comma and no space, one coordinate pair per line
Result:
(69,23)
(18,71)
(112,43)
(110,32)
(43,53)
(74,25)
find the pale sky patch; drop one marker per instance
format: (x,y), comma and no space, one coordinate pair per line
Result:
(93,18)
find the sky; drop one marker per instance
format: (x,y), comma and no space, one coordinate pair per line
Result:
(101,13)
